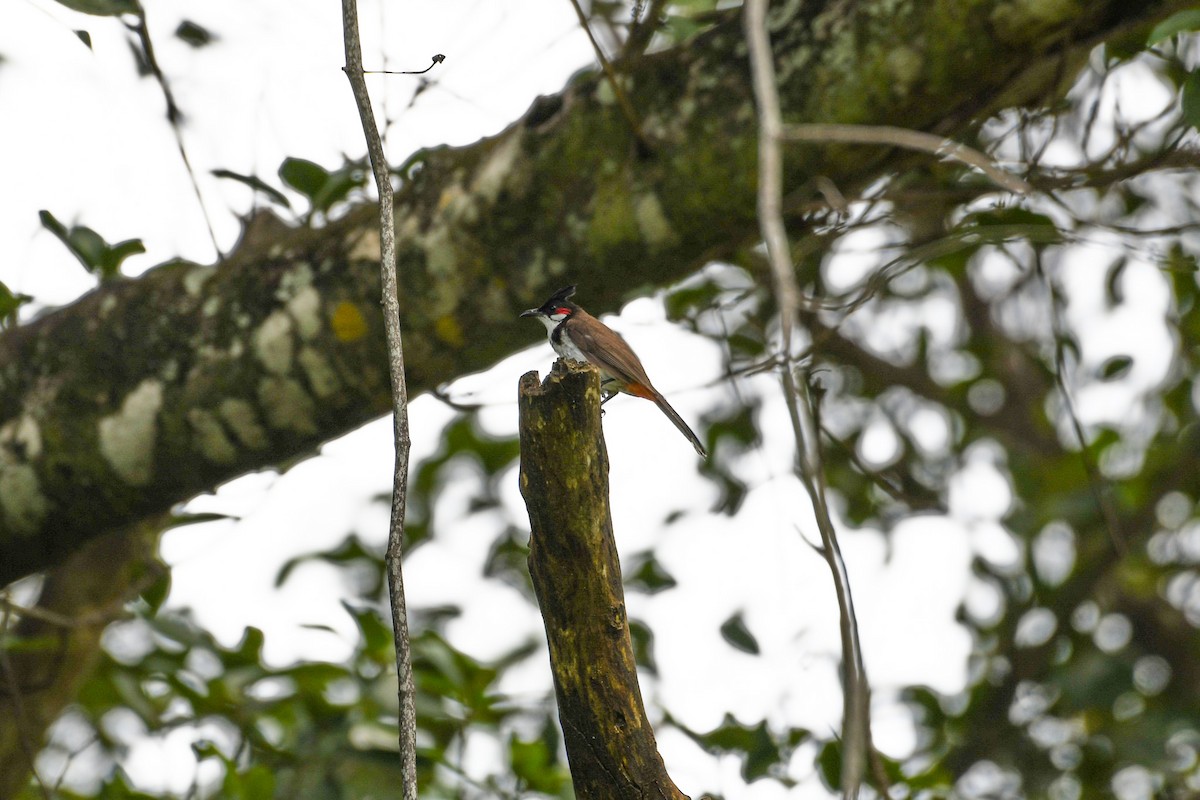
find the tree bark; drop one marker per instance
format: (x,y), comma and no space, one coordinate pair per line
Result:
(577,579)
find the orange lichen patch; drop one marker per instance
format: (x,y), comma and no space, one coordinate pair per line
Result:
(348,323)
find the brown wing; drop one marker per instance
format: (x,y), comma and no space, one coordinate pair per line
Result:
(606,349)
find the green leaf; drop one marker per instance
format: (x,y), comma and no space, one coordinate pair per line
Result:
(351,551)
(765,752)
(12,643)
(306,177)
(1115,368)
(156,593)
(679,28)
(313,678)
(1114,295)
(89,248)
(205,749)
(643,646)
(377,635)
(1011,216)
(118,787)
(131,695)
(1190,99)
(10,302)
(735,632)
(685,300)
(193,34)
(339,184)
(256,183)
(649,576)
(249,649)
(508,560)
(110,264)
(1067,348)
(85,37)
(102,8)
(536,762)
(51,223)
(177,629)
(1179,22)
(180,520)
(258,783)
(829,762)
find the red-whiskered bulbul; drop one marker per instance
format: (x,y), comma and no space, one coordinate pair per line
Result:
(577,335)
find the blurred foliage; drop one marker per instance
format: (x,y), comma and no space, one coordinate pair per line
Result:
(960,345)
(463,449)
(255,183)
(312,730)
(103,8)
(763,752)
(739,637)
(321,187)
(91,250)
(1083,676)
(10,302)
(326,190)
(194,34)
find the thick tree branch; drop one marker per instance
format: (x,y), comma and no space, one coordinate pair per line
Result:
(143,394)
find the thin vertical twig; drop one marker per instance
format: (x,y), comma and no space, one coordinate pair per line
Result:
(622,99)
(1098,485)
(174,118)
(395,349)
(920,141)
(856,735)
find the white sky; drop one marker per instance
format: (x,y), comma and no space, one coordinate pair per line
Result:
(82,136)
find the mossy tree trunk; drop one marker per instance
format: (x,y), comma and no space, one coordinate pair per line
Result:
(577,579)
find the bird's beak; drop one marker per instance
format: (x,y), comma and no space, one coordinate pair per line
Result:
(533,312)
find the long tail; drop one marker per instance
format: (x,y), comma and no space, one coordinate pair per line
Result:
(672,415)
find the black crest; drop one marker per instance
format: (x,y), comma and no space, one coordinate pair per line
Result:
(559,300)
(564,293)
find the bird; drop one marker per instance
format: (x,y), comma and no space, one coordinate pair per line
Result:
(575,334)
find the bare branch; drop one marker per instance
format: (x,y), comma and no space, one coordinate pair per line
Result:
(439,58)
(622,99)
(908,139)
(395,349)
(856,736)
(174,117)
(1100,488)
